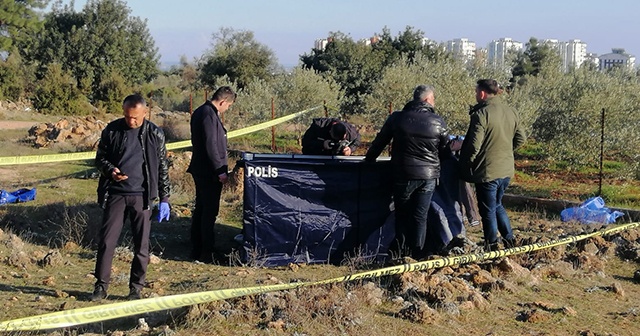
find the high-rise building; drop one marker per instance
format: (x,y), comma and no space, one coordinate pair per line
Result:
(320,44)
(428,42)
(575,55)
(462,49)
(498,49)
(572,53)
(617,57)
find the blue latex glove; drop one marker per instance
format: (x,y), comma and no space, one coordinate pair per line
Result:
(163,211)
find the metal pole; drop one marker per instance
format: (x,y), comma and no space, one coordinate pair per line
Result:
(150,105)
(601,152)
(326,111)
(273,128)
(390,147)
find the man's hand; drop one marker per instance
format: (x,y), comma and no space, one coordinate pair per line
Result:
(223,178)
(117,175)
(455,145)
(346,151)
(163,211)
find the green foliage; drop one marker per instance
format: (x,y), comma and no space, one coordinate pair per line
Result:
(112,89)
(454,90)
(95,43)
(563,113)
(357,66)
(164,93)
(537,58)
(354,65)
(57,94)
(302,89)
(19,21)
(239,56)
(253,104)
(292,92)
(188,74)
(14,77)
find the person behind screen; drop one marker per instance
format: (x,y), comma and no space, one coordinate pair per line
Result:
(330,136)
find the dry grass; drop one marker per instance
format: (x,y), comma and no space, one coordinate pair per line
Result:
(46,262)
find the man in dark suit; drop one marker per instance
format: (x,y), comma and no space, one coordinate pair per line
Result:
(208,168)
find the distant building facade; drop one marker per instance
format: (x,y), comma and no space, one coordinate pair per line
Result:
(462,49)
(592,58)
(617,58)
(575,54)
(498,49)
(320,44)
(572,53)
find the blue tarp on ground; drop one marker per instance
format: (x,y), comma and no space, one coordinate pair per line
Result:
(591,211)
(21,195)
(310,209)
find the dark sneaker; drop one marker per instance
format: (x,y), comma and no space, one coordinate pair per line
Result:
(134,294)
(98,294)
(509,243)
(491,247)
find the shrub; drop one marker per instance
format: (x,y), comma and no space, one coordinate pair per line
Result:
(111,92)
(58,94)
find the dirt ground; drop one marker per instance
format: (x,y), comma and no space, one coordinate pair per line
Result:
(10,124)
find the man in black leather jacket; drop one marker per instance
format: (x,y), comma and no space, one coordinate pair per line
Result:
(132,160)
(419,136)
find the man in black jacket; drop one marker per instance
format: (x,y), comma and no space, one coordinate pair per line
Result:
(330,136)
(419,135)
(209,169)
(132,160)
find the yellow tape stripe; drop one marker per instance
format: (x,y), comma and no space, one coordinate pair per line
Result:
(28,159)
(122,309)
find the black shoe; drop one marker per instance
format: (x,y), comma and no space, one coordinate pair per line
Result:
(134,294)
(509,243)
(98,294)
(491,247)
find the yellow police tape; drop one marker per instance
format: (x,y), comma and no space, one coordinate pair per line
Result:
(17,160)
(123,309)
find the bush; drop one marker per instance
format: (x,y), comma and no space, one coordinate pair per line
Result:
(58,94)
(12,78)
(111,92)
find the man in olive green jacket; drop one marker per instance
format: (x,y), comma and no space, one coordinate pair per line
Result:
(486,159)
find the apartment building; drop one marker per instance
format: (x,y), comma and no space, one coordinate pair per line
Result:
(617,57)
(462,49)
(498,49)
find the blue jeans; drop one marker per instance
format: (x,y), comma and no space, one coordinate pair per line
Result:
(494,216)
(412,199)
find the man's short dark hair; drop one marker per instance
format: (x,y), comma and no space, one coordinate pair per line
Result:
(224,93)
(490,86)
(338,130)
(134,100)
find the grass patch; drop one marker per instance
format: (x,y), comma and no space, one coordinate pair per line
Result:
(532,151)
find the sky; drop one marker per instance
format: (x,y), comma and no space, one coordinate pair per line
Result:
(290,27)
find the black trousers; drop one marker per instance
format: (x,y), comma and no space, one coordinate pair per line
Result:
(208,191)
(114,216)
